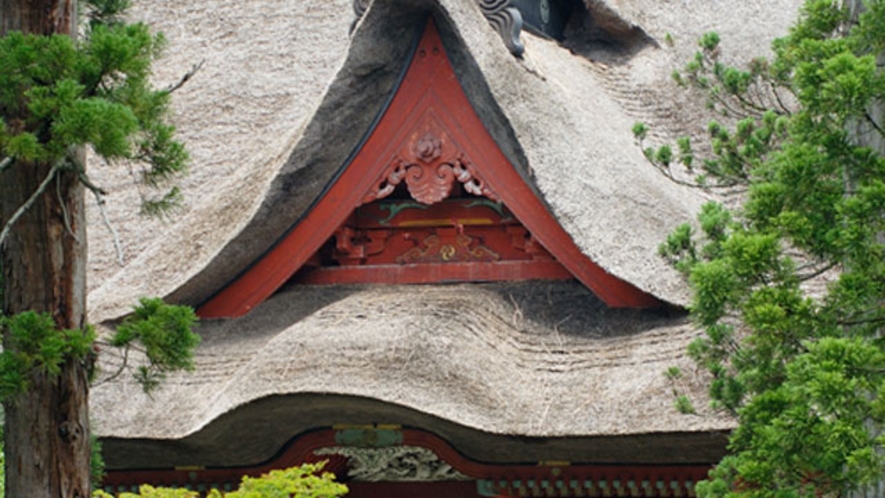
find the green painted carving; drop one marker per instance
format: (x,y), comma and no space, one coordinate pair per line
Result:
(396,207)
(497,207)
(369,438)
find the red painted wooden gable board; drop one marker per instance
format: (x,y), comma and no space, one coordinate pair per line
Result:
(429,97)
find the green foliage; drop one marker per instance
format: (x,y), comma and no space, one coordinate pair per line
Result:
(678,249)
(163,332)
(148,491)
(673,373)
(306,481)
(166,337)
(684,405)
(640,130)
(106,12)
(35,344)
(2,466)
(298,482)
(803,374)
(57,94)
(96,461)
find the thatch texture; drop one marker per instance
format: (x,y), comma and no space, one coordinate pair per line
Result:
(536,359)
(265,66)
(283,97)
(263,149)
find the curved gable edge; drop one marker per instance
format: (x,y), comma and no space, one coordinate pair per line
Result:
(353,102)
(376,57)
(429,107)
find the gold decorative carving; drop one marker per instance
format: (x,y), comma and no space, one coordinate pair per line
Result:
(447,247)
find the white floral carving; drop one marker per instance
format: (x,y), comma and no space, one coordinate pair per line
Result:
(394,464)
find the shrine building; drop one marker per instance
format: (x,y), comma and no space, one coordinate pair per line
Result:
(422,243)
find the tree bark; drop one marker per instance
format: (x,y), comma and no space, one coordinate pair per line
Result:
(39,17)
(43,265)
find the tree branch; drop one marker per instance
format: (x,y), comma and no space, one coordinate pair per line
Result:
(88,183)
(862,321)
(30,202)
(666,170)
(119,371)
(5,163)
(188,75)
(749,107)
(874,124)
(815,273)
(721,180)
(724,105)
(780,102)
(99,194)
(64,209)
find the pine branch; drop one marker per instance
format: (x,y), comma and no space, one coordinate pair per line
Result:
(725,107)
(874,124)
(804,277)
(99,194)
(188,75)
(30,202)
(667,171)
(749,107)
(119,371)
(668,174)
(777,96)
(862,321)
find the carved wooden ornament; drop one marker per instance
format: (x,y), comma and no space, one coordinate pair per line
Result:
(430,163)
(436,468)
(429,139)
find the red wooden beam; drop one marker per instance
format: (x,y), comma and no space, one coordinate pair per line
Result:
(430,273)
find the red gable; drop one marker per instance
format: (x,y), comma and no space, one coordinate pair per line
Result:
(430,197)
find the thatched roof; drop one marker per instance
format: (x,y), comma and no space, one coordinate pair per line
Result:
(283,97)
(263,149)
(530,359)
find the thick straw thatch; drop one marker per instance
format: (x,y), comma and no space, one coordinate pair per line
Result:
(283,97)
(531,359)
(263,149)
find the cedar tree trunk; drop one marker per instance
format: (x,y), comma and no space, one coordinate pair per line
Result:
(43,266)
